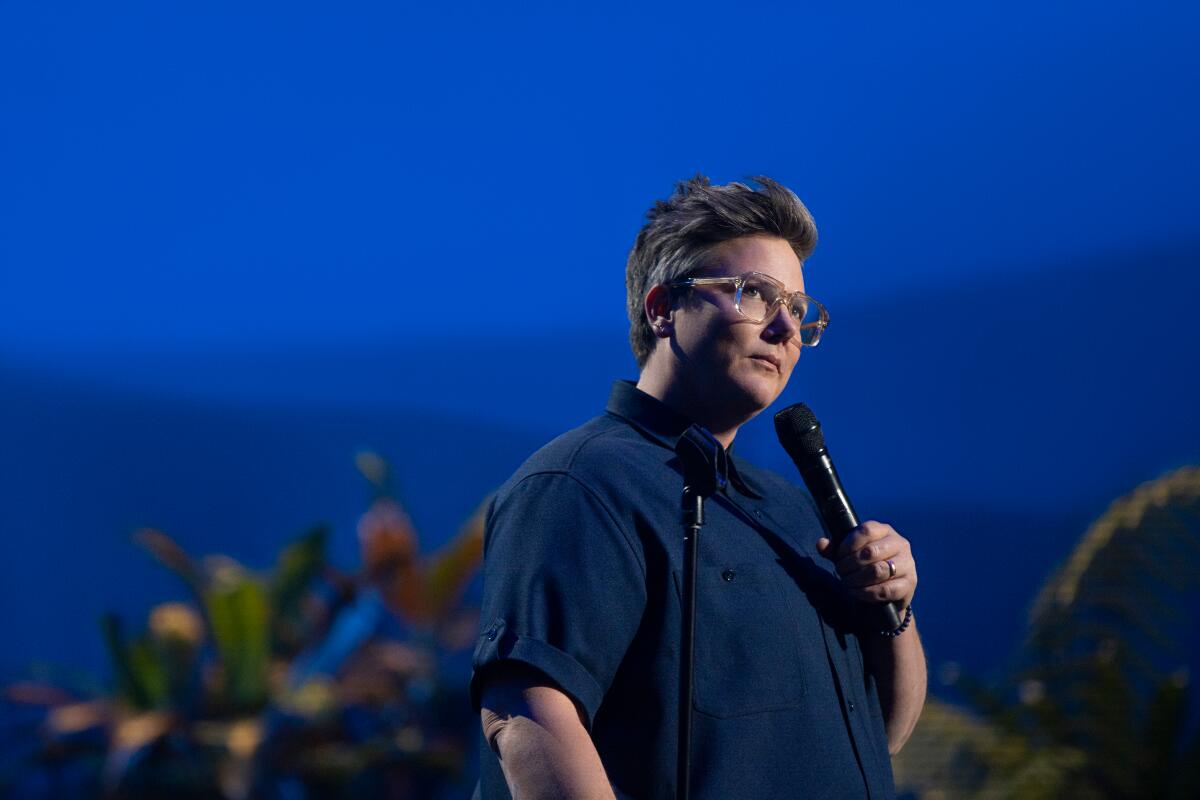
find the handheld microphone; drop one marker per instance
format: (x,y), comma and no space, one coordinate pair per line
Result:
(800,434)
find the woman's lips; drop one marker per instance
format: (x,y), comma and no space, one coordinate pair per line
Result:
(772,360)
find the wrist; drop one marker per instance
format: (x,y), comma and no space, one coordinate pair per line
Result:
(905,622)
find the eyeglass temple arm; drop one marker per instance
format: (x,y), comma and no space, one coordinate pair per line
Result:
(784,295)
(706,281)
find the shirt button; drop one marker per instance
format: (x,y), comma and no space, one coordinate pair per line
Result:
(758,513)
(491,634)
(728,574)
(851,705)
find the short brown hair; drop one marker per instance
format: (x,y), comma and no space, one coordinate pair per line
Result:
(683,229)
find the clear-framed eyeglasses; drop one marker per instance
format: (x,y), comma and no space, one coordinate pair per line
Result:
(758,297)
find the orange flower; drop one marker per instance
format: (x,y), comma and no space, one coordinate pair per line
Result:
(389,552)
(386,537)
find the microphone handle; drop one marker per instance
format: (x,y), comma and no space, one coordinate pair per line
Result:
(821,478)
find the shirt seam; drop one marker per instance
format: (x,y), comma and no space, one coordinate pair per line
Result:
(625,535)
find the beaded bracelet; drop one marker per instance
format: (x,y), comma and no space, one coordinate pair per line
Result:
(903,625)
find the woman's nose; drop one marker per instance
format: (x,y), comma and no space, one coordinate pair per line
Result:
(782,326)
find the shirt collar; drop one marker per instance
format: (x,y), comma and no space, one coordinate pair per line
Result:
(662,424)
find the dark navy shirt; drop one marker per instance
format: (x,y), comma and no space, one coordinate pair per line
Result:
(582,577)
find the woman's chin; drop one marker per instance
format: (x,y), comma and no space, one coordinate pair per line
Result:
(759,391)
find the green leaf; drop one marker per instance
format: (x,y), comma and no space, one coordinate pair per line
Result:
(239,613)
(130,687)
(298,564)
(150,672)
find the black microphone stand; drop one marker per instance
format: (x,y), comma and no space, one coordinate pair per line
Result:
(704,471)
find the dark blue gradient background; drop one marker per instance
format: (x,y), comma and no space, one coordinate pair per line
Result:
(217,227)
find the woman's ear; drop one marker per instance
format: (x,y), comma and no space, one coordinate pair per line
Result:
(658,310)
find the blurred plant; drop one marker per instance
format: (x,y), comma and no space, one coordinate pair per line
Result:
(304,682)
(1097,705)
(423,592)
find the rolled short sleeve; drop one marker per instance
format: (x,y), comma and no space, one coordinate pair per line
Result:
(564,587)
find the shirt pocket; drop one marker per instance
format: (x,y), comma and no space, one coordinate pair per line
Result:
(747,642)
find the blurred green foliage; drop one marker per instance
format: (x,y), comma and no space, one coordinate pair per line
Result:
(299,682)
(304,681)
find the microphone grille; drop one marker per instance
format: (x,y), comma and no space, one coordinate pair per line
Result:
(798,431)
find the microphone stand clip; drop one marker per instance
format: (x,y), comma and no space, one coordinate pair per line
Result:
(705,470)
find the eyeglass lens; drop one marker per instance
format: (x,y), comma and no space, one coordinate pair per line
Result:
(759,298)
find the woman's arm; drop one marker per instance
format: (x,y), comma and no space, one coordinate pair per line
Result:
(538,734)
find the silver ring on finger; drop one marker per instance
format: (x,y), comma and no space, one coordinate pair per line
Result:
(891,569)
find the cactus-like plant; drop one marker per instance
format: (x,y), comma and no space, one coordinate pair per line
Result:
(1097,706)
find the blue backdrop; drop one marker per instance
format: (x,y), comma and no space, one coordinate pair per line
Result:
(216,223)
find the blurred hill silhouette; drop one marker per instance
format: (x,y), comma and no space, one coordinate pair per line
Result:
(84,466)
(990,422)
